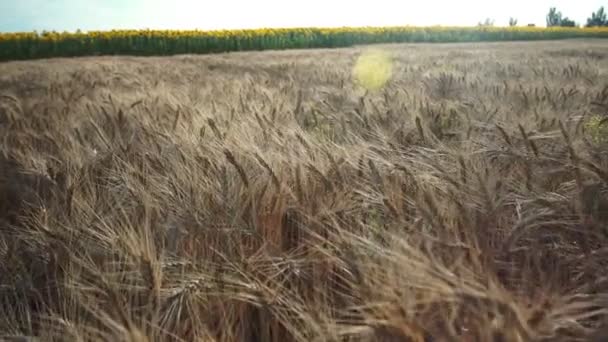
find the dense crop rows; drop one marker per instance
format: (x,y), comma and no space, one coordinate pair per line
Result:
(14,46)
(266,197)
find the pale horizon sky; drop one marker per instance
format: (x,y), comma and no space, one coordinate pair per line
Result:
(70,15)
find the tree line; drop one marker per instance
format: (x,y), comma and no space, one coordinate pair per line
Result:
(555,18)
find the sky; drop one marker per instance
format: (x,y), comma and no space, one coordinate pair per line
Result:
(70,15)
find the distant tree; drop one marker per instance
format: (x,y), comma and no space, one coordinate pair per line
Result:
(567,22)
(555,18)
(512,22)
(486,23)
(597,18)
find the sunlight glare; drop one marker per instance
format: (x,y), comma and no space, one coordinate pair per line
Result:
(373,69)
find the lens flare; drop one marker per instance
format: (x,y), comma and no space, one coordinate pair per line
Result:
(373,69)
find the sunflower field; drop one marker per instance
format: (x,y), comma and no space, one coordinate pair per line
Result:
(34,45)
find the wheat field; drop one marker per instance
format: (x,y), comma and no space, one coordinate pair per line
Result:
(267,196)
